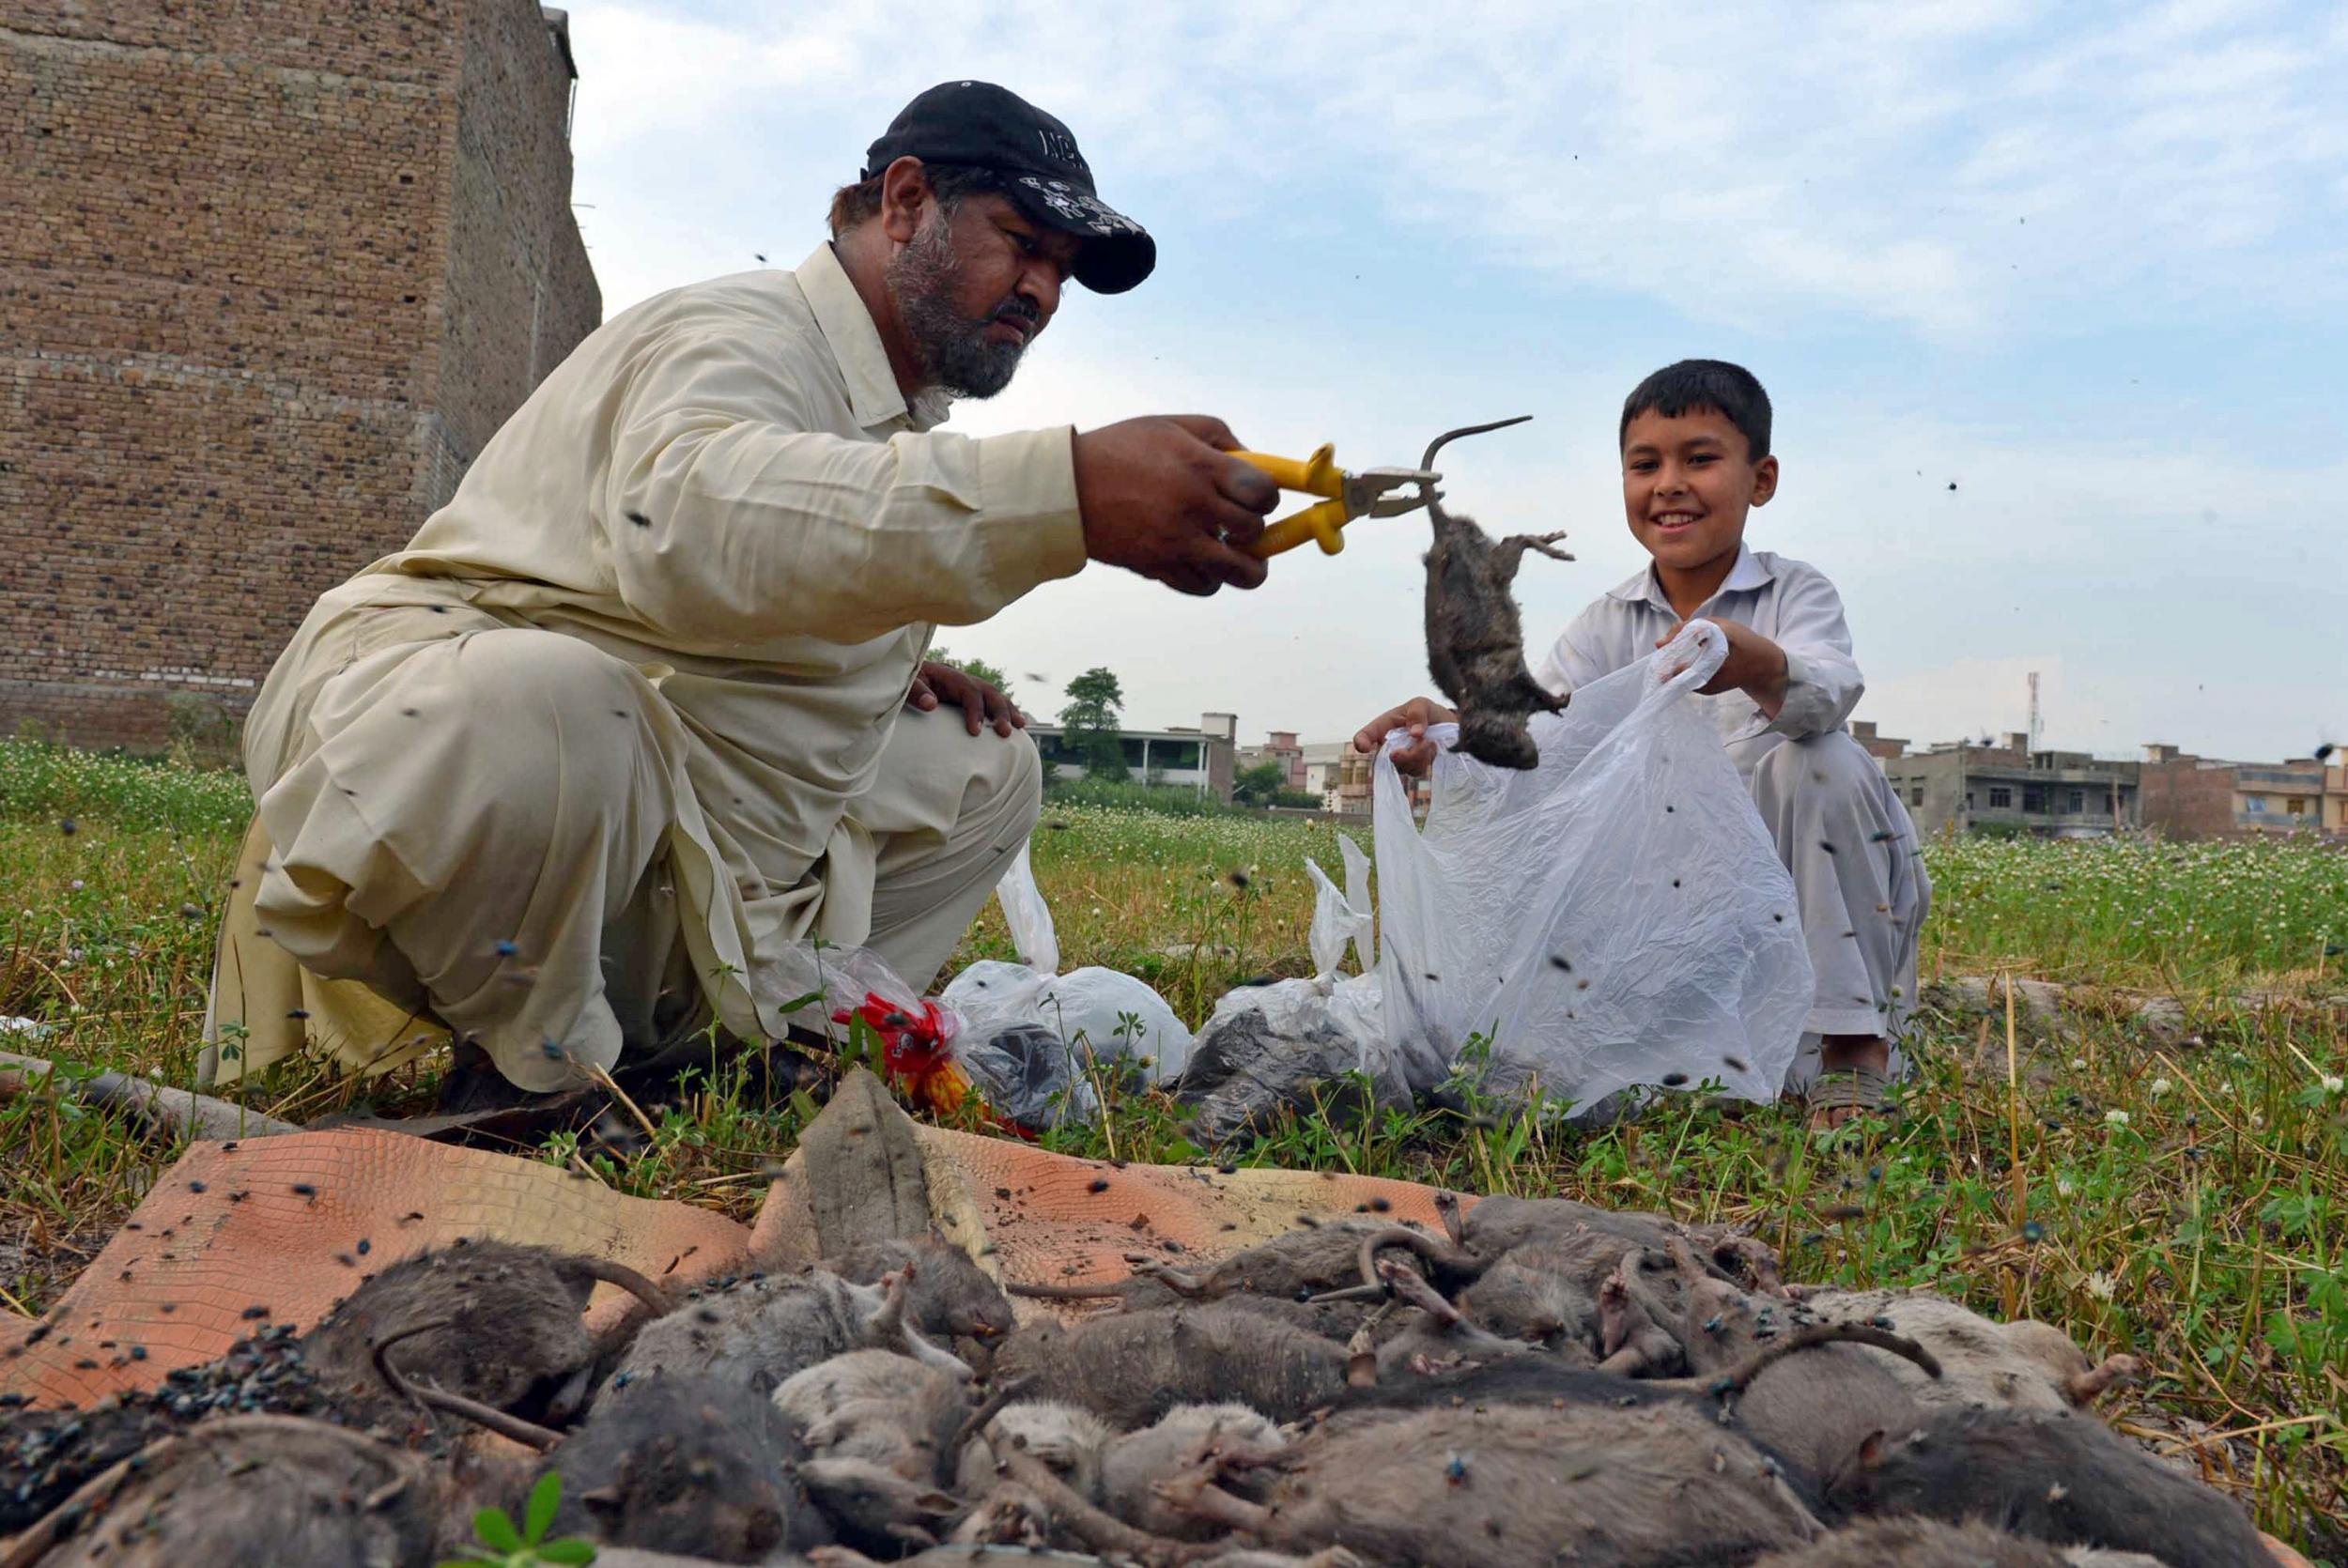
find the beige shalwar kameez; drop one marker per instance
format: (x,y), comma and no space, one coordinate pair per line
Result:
(628,716)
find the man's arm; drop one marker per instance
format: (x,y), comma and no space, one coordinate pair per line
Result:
(731,520)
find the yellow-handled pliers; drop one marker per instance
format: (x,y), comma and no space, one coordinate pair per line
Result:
(1370,493)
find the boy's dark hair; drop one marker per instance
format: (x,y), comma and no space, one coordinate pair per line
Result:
(951,184)
(1697,386)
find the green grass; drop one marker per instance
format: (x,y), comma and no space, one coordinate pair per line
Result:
(2182,1196)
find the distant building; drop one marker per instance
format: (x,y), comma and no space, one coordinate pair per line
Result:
(1279,746)
(1200,759)
(2008,787)
(1324,762)
(1880,747)
(2197,797)
(1357,777)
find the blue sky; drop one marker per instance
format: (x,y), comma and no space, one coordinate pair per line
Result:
(2087,261)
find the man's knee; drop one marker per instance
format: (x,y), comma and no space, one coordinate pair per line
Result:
(526,700)
(538,680)
(523,736)
(1014,779)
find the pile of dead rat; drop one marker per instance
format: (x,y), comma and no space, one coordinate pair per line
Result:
(1538,1383)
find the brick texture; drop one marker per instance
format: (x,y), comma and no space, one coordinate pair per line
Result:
(2185,800)
(271,271)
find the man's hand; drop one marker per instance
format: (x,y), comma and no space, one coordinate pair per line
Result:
(1160,498)
(980,703)
(1412,760)
(1755,665)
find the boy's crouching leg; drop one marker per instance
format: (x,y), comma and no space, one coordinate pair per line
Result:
(1851,849)
(947,812)
(474,812)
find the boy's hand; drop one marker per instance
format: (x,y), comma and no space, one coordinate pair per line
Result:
(1414,760)
(1755,665)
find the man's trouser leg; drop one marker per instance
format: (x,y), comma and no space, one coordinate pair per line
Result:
(945,815)
(1862,891)
(473,811)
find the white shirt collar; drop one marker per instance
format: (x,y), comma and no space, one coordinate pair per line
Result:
(1748,572)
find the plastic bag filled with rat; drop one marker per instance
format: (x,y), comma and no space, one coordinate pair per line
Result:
(1615,916)
(1294,1042)
(1104,1014)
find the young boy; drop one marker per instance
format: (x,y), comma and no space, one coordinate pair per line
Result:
(1696,459)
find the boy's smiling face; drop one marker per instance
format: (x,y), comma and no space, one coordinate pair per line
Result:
(1687,482)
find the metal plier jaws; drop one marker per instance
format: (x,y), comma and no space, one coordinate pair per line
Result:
(1370,493)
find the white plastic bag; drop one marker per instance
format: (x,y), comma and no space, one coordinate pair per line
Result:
(1102,1012)
(1267,1046)
(1024,1074)
(1615,916)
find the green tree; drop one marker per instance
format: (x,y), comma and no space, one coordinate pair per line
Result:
(1089,723)
(1260,784)
(978,669)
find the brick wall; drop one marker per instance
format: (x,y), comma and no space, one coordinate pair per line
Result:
(258,274)
(2184,800)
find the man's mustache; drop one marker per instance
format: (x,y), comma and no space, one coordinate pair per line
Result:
(1019,308)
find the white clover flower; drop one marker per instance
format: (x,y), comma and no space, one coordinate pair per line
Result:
(2115,1118)
(2078,1064)
(2333,1083)
(2161,1086)
(2066,1187)
(2100,1285)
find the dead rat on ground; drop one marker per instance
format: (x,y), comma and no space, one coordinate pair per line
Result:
(1131,1367)
(2060,1475)
(1814,1413)
(1532,1293)
(882,1431)
(668,1461)
(687,1464)
(503,1328)
(275,1489)
(949,1297)
(1511,1486)
(1498,1224)
(1475,640)
(44,1454)
(2023,1366)
(1331,1256)
(1069,1440)
(512,1336)
(760,1331)
(1134,1465)
(1915,1543)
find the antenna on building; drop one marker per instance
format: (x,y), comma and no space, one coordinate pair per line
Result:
(2033,713)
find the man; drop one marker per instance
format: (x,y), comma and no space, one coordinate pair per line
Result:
(646,701)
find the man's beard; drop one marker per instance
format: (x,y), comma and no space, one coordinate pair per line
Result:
(953,349)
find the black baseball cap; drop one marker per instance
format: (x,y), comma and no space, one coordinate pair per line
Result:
(979,122)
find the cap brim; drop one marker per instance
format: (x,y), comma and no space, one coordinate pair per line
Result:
(1117,252)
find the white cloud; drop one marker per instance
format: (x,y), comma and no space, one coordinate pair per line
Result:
(1952,168)
(1955,179)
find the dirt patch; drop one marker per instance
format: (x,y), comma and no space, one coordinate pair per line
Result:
(36,1265)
